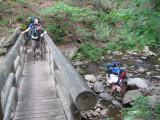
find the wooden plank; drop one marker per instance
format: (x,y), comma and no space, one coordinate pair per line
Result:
(52,117)
(39,114)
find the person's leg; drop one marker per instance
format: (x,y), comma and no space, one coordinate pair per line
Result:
(34,45)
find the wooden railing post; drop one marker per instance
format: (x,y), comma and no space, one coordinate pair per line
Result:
(1,112)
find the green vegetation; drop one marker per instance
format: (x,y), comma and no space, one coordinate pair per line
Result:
(90,51)
(141,108)
(1,53)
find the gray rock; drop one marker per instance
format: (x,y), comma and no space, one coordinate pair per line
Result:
(109,52)
(106,96)
(147,52)
(144,58)
(149,73)
(104,112)
(157,77)
(135,83)
(125,58)
(158,70)
(130,96)
(116,104)
(94,113)
(98,110)
(98,87)
(139,61)
(158,59)
(90,84)
(141,70)
(117,53)
(157,66)
(70,52)
(88,114)
(129,75)
(100,106)
(90,78)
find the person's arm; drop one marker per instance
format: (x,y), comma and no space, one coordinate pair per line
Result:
(26,30)
(44,32)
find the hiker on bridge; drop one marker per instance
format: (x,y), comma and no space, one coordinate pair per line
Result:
(32,24)
(36,36)
(116,77)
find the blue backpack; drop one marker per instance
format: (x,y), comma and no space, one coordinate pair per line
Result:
(114,70)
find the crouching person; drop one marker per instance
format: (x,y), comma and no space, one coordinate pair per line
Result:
(36,36)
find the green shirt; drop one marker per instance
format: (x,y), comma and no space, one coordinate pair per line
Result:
(37,33)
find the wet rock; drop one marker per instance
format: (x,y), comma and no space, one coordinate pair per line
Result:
(157,66)
(144,58)
(156,77)
(130,96)
(158,70)
(104,112)
(117,104)
(78,63)
(125,58)
(98,87)
(88,114)
(139,61)
(106,96)
(134,83)
(141,70)
(90,78)
(98,110)
(149,73)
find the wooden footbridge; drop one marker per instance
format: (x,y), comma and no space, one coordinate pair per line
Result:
(50,89)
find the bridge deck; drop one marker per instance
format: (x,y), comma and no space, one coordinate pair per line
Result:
(37,98)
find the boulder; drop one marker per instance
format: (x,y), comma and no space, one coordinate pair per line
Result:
(134,83)
(90,84)
(106,97)
(98,110)
(117,104)
(98,87)
(130,96)
(104,112)
(90,78)
(117,53)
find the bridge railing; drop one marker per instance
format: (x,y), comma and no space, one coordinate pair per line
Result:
(72,87)
(10,78)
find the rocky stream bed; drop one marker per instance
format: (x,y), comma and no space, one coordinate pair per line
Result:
(143,76)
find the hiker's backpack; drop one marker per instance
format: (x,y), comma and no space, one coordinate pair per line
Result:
(113,64)
(34,26)
(114,70)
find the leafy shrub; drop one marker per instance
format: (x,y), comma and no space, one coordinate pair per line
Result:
(90,51)
(4,22)
(141,108)
(55,31)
